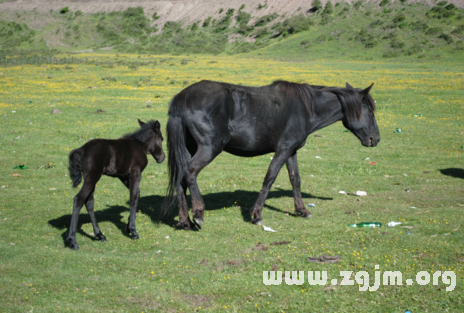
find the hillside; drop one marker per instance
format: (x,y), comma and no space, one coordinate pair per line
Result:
(293,29)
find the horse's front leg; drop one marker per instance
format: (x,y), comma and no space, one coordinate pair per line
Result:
(276,164)
(134,190)
(294,175)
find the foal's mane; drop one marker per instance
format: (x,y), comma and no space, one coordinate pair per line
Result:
(349,98)
(143,134)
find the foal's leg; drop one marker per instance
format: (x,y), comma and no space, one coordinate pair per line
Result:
(96,230)
(276,164)
(79,200)
(294,174)
(134,190)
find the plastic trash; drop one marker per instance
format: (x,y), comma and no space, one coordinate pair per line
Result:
(318,157)
(269,229)
(398,130)
(342,192)
(372,163)
(16,175)
(360,193)
(312,205)
(393,224)
(20,167)
(367,224)
(418,115)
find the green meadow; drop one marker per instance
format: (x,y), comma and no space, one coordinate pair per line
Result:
(415,177)
(411,52)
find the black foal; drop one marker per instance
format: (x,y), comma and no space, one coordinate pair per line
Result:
(124,158)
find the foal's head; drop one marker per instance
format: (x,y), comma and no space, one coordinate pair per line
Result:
(150,135)
(360,117)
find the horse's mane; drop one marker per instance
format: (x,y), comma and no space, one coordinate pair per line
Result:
(349,98)
(143,134)
(301,91)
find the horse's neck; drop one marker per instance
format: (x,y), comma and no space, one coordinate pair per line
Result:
(327,110)
(143,145)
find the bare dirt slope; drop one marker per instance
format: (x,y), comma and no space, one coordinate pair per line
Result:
(187,11)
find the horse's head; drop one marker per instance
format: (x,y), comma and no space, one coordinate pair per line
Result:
(364,126)
(154,140)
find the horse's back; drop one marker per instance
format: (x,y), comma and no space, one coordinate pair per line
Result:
(112,156)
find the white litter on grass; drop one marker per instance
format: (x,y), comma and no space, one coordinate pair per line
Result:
(52,188)
(342,192)
(413,207)
(167,237)
(269,229)
(318,157)
(13,111)
(393,224)
(360,193)
(158,251)
(312,205)
(311,175)
(366,159)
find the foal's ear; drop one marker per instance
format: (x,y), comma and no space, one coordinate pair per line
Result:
(141,123)
(348,86)
(365,92)
(156,126)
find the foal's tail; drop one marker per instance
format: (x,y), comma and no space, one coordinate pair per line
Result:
(75,166)
(178,153)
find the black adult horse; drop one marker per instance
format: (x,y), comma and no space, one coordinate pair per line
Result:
(208,117)
(124,158)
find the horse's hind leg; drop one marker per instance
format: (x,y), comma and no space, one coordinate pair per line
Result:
(294,175)
(96,230)
(184,219)
(203,156)
(79,201)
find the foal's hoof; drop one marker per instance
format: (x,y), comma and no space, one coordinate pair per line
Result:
(257,221)
(134,236)
(101,237)
(198,221)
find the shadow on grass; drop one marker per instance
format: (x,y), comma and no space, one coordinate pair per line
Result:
(151,206)
(453,172)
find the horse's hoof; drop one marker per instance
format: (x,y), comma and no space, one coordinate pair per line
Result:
(303,214)
(198,221)
(257,221)
(184,226)
(135,236)
(101,237)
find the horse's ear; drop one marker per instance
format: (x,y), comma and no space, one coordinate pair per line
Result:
(141,123)
(348,86)
(157,125)
(366,91)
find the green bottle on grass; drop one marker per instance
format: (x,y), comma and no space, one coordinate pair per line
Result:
(367,224)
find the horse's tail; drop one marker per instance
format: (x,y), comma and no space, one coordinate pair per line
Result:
(75,166)
(178,153)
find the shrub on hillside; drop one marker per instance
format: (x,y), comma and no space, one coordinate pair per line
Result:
(293,25)
(384,2)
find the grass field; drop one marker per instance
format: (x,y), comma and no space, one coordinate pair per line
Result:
(220,267)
